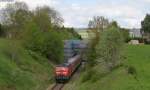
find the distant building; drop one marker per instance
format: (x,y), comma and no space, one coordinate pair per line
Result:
(135,33)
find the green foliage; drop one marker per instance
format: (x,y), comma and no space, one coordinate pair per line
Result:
(146,24)
(91,52)
(19,70)
(108,50)
(88,75)
(91,76)
(110,47)
(0,30)
(0,27)
(125,34)
(44,43)
(91,57)
(67,33)
(132,70)
(43,23)
(17,16)
(73,33)
(97,25)
(114,23)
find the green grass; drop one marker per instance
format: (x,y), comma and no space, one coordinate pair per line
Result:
(21,70)
(119,79)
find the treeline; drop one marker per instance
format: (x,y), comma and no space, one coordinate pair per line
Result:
(40,30)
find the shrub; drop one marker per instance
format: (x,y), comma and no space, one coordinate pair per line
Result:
(131,70)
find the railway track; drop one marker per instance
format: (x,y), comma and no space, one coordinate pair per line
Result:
(58,86)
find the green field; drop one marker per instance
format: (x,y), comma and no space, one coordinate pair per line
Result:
(21,69)
(137,57)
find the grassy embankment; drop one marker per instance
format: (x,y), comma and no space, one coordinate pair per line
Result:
(21,70)
(137,57)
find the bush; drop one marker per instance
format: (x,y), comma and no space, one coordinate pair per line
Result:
(131,70)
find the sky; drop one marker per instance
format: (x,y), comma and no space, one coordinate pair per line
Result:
(77,13)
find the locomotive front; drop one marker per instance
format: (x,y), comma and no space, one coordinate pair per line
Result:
(62,72)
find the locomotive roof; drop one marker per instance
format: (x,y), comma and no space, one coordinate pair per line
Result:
(71,60)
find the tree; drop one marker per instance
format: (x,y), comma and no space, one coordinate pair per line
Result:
(109,47)
(114,24)
(0,29)
(146,24)
(38,30)
(146,28)
(50,18)
(98,23)
(125,34)
(10,12)
(16,16)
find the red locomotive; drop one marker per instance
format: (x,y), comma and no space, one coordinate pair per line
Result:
(64,72)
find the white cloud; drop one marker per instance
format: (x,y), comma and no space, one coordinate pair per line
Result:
(77,15)
(146,0)
(128,13)
(34,3)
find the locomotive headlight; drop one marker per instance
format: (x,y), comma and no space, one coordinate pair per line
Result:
(65,73)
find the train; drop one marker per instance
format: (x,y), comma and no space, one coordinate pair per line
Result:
(73,52)
(64,71)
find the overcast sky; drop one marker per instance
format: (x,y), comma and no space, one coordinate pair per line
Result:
(77,13)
